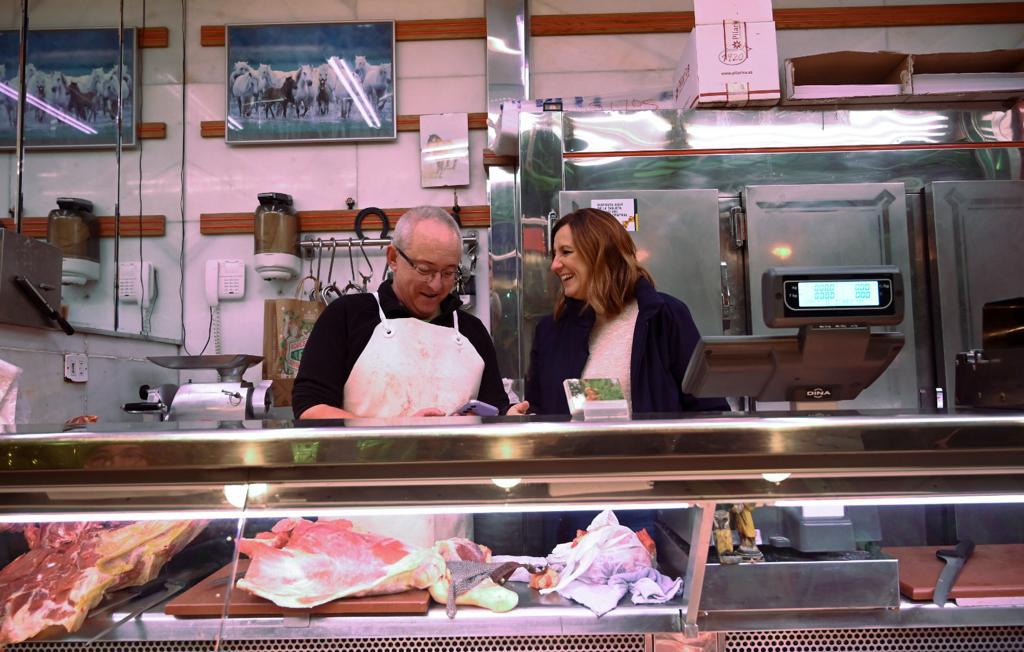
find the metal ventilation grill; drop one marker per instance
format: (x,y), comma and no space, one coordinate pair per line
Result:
(937,639)
(582,643)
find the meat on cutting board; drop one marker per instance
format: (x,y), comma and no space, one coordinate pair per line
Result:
(301,563)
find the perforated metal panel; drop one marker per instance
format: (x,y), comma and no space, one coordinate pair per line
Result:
(604,643)
(932,639)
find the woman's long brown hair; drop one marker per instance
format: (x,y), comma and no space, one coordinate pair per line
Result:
(610,255)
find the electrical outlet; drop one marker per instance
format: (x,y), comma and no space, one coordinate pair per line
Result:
(76,367)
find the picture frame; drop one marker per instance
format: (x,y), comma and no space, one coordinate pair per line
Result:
(71,88)
(310,82)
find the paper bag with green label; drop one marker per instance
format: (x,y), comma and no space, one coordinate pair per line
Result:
(286,327)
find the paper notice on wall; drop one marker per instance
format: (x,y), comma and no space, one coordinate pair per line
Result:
(624,210)
(444,150)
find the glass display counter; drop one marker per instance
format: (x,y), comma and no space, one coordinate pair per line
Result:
(138,522)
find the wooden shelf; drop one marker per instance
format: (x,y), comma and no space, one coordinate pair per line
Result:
(152,226)
(329,220)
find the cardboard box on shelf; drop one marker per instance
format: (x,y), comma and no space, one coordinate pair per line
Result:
(848,78)
(729,64)
(992,75)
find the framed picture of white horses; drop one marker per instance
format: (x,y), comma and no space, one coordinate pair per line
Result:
(73,85)
(310,82)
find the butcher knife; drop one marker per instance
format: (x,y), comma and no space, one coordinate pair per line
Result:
(165,588)
(955,560)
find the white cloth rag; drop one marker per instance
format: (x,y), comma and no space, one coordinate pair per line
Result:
(646,585)
(8,393)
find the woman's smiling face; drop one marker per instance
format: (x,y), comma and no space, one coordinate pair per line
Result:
(568,265)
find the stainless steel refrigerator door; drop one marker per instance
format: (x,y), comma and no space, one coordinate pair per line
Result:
(677,241)
(977,239)
(835,224)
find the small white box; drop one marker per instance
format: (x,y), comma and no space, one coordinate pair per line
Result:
(729,64)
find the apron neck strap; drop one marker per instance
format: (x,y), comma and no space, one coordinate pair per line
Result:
(387,327)
(380,311)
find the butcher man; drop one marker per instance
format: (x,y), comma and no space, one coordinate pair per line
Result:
(406,349)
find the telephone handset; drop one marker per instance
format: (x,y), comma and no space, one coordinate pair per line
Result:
(225,279)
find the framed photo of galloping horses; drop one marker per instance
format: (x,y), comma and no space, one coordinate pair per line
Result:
(73,88)
(310,82)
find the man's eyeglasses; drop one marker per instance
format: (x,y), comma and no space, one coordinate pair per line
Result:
(428,273)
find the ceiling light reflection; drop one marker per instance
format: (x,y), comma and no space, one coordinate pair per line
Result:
(49,109)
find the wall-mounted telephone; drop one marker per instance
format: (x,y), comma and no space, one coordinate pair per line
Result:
(225,279)
(136,283)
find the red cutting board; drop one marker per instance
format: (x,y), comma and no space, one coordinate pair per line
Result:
(992,571)
(206,599)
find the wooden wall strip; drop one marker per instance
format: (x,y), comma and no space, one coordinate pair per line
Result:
(152,130)
(153,37)
(621,23)
(405,30)
(215,128)
(435,30)
(212,128)
(490,158)
(657,22)
(152,226)
(477,120)
(408,123)
(211,36)
(329,221)
(988,13)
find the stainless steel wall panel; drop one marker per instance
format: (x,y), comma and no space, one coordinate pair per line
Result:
(841,224)
(677,240)
(505,270)
(730,173)
(658,130)
(977,238)
(540,176)
(508,61)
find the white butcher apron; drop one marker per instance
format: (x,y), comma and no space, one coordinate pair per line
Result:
(409,365)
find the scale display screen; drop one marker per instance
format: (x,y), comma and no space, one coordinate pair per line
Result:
(865,295)
(838,294)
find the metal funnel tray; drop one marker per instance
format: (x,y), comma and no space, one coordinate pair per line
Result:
(229,367)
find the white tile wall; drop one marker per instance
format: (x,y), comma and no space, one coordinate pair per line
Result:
(117,367)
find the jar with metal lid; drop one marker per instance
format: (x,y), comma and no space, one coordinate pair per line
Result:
(277,237)
(72,228)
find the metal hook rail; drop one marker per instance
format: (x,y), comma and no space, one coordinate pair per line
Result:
(310,245)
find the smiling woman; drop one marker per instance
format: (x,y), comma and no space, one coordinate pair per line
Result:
(610,322)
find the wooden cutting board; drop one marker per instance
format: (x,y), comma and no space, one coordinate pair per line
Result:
(992,571)
(206,599)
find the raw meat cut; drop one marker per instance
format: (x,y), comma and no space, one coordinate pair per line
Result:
(71,565)
(461,549)
(301,564)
